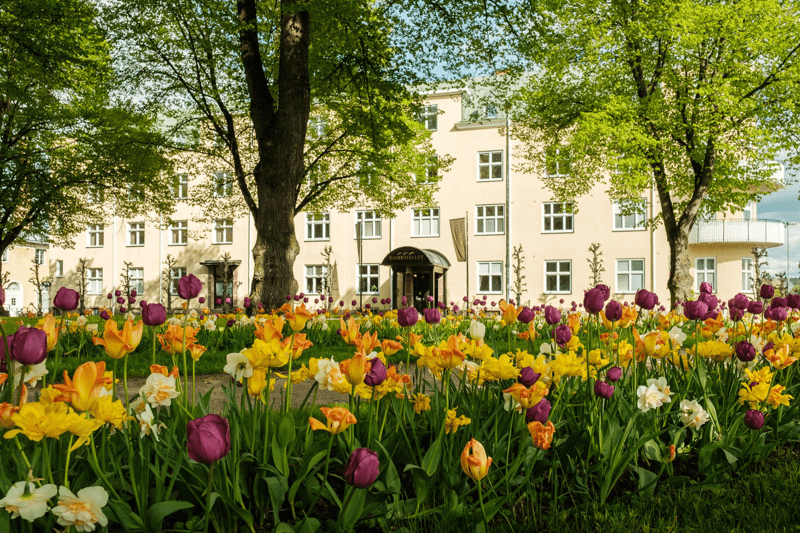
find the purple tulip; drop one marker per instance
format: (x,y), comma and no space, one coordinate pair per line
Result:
(745,351)
(528,377)
(123,309)
(201,300)
(218,301)
(189,287)
(767,347)
(605,289)
(228,300)
(432,316)
(209,438)
(407,316)
(133,293)
(120,300)
(341,303)
(793,301)
(767,291)
(778,302)
(711,301)
(645,299)
(593,301)
(376,374)
(755,308)
(154,315)
(614,374)
(66,299)
(288,297)
(539,412)
(466,299)
(754,419)
(485,297)
(705,288)
(353,303)
(104,315)
(131,300)
(110,296)
(230,323)
(552,315)
(404,301)
(247,302)
(740,300)
(367,306)
(143,304)
(603,389)
(29,346)
(117,293)
(455,309)
(695,310)
(525,316)
(779,314)
(736,314)
(613,311)
(362,468)
(562,335)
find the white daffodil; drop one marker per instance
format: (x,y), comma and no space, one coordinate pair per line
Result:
(91,328)
(84,510)
(649,397)
(328,374)
(29,506)
(510,403)
(159,390)
(33,373)
(692,414)
(477,330)
(661,384)
(677,335)
(210,325)
(80,321)
(146,419)
(238,367)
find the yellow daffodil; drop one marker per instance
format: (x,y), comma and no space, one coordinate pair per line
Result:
(109,411)
(452,423)
(264,355)
(36,421)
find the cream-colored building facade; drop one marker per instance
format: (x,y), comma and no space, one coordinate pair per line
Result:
(22,294)
(413,254)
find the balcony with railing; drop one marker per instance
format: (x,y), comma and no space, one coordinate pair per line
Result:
(766,233)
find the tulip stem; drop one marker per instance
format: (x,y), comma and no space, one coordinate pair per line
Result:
(288,401)
(194,384)
(483,509)
(66,467)
(154,344)
(208,497)
(324,476)
(183,349)
(125,384)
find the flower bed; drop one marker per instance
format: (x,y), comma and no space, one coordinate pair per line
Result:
(436,423)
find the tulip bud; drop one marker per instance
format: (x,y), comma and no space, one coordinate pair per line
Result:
(117,293)
(29,346)
(614,374)
(767,291)
(539,412)
(120,300)
(66,299)
(362,468)
(754,419)
(603,389)
(133,293)
(208,438)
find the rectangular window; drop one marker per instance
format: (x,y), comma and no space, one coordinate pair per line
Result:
(137,280)
(135,193)
(747,274)
(630,275)
(557,217)
(316,276)
(179,233)
(59,268)
(557,162)
(95,236)
(490,277)
(370,224)
(429,117)
(706,271)
(368,279)
(95,276)
(180,186)
(175,275)
(39,257)
(223,231)
(135,233)
(425,223)
(316,128)
(634,219)
(318,226)
(431,171)
(223,184)
(490,166)
(490,219)
(557,277)
(96,194)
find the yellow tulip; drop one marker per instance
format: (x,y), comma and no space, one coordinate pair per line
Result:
(36,421)
(354,369)
(476,464)
(172,340)
(339,419)
(297,319)
(86,386)
(265,355)
(51,330)
(117,343)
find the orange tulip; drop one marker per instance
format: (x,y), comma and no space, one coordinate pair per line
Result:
(354,369)
(350,331)
(299,344)
(339,419)
(368,342)
(117,343)
(271,329)
(542,435)
(527,397)
(51,330)
(390,347)
(87,384)
(6,411)
(475,465)
(509,312)
(196,351)
(161,369)
(297,319)
(172,340)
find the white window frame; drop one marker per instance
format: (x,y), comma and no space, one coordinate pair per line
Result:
(39,255)
(552,160)
(749,212)
(639,217)
(223,227)
(317,274)
(180,186)
(95,195)
(373,271)
(486,269)
(315,220)
(431,171)
(747,274)
(223,184)
(558,273)
(429,117)
(490,164)
(499,219)
(136,193)
(135,233)
(95,281)
(624,267)
(179,229)
(59,268)
(95,236)
(136,278)
(705,272)
(425,214)
(490,111)
(316,128)
(175,275)
(371,218)
(564,216)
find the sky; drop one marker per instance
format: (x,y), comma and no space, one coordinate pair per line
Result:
(784,205)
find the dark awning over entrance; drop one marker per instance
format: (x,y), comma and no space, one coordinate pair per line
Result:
(410,256)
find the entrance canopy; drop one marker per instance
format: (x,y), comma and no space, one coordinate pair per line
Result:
(414,257)
(417,275)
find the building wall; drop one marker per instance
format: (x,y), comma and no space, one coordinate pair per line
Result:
(21,293)
(461,192)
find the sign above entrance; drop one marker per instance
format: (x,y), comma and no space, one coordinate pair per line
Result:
(410,256)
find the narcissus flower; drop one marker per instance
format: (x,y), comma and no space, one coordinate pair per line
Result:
(542,435)
(453,422)
(88,383)
(37,421)
(421,403)
(30,504)
(476,464)
(339,419)
(238,367)
(117,343)
(692,414)
(159,390)
(84,510)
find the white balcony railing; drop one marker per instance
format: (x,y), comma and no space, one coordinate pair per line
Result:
(767,233)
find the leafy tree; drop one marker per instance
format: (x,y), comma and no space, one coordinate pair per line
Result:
(695,97)
(72,146)
(242,81)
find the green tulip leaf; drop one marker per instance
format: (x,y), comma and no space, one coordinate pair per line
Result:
(155,515)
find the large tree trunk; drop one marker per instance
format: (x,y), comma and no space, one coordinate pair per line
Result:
(680,278)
